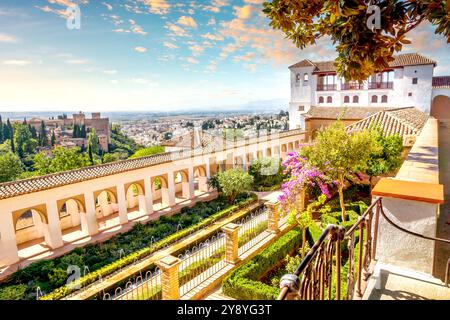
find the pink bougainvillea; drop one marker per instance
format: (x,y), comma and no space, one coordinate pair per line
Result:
(303,175)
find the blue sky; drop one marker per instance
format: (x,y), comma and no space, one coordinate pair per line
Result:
(154,55)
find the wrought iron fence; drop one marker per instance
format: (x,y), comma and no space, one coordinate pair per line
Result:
(201,262)
(321,275)
(253,229)
(146,287)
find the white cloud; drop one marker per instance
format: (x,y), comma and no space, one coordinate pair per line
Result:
(76,61)
(176,30)
(110,71)
(170,45)
(213,37)
(192,60)
(140,49)
(188,22)
(107,5)
(7,38)
(20,63)
(157,6)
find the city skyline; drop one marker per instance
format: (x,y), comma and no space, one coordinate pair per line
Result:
(145,55)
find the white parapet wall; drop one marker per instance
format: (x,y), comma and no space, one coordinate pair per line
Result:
(394,246)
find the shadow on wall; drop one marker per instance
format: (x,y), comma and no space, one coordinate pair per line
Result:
(440,108)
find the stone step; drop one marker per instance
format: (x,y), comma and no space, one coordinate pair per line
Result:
(393,283)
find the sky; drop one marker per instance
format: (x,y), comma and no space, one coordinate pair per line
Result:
(155,55)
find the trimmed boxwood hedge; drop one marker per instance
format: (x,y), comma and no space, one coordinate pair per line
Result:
(103,259)
(243,282)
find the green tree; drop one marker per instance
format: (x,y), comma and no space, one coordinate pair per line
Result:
(22,139)
(234,181)
(53,139)
(266,172)
(43,139)
(148,151)
(76,131)
(1,129)
(389,158)
(362,49)
(338,154)
(83,132)
(10,164)
(62,160)
(93,142)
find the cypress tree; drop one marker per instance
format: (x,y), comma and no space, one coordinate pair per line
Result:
(83,131)
(53,138)
(1,129)
(43,140)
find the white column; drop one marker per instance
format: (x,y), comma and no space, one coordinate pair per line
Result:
(8,243)
(146,205)
(171,191)
(52,230)
(244,162)
(208,168)
(191,182)
(122,202)
(89,219)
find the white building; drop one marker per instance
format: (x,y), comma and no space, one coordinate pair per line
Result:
(408,82)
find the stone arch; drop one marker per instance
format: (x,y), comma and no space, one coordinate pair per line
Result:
(132,192)
(199,171)
(181,176)
(200,179)
(30,223)
(440,107)
(159,180)
(269,152)
(283,148)
(70,211)
(106,202)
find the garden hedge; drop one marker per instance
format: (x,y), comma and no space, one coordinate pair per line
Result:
(243,282)
(103,258)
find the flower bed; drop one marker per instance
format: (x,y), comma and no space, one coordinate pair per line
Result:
(103,259)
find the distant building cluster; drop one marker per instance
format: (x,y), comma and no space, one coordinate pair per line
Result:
(72,132)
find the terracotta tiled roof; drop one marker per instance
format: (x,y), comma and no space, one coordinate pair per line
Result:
(20,187)
(346,113)
(401,60)
(303,63)
(407,122)
(410,59)
(441,82)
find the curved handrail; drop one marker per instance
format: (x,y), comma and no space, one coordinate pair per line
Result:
(364,221)
(309,257)
(411,232)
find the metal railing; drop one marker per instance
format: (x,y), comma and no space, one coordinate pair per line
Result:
(326,87)
(352,86)
(320,273)
(253,229)
(201,262)
(381,85)
(139,288)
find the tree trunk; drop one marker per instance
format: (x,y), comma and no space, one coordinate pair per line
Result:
(341,197)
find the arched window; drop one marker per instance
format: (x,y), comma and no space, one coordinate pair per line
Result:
(374,99)
(384,99)
(346,99)
(329,99)
(297,78)
(320,99)
(305,78)
(355,99)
